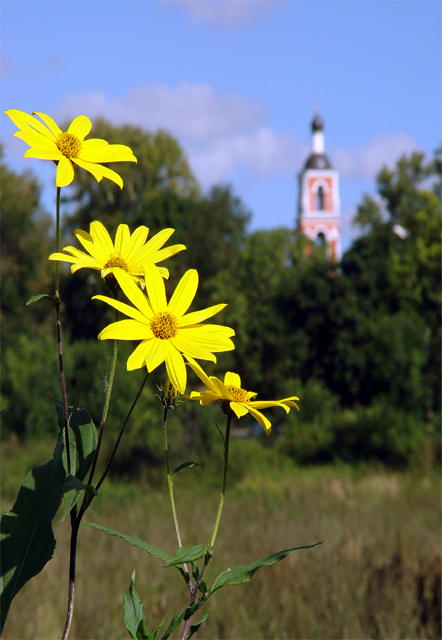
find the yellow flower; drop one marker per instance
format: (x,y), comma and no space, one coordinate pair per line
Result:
(128,253)
(49,142)
(166,331)
(233,398)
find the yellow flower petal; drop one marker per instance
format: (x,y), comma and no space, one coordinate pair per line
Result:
(93,152)
(137,358)
(239,409)
(263,421)
(122,237)
(65,172)
(157,353)
(134,293)
(52,126)
(100,237)
(132,312)
(232,379)
(99,172)
(80,127)
(155,288)
(184,293)
(69,146)
(126,330)
(199,316)
(192,348)
(176,370)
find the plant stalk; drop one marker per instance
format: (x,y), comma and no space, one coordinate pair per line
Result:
(123,426)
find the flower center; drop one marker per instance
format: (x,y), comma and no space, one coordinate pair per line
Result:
(116,260)
(164,325)
(238,395)
(69,145)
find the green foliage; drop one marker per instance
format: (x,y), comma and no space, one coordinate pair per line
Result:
(27,540)
(133,613)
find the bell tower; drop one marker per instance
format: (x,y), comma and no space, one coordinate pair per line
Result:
(319,208)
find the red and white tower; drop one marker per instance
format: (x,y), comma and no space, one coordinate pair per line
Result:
(319,208)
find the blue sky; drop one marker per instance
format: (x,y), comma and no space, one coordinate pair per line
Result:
(236,81)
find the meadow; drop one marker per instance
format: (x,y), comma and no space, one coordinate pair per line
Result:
(377,573)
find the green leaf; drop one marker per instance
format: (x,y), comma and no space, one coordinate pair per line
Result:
(136,542)
(244,572)
(72,489)
(185,465)
(174,623)
(194,627)
(27,541)
(42,296)
(187,554)
(82,439)
(133,613)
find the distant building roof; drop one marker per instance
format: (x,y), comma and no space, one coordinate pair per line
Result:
(317,161)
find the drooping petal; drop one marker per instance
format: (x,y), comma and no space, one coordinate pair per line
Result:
(199,316)
(99,172)
(259,417)
(176,370)
(205,397)
(80,127)
(184,293)
(265,404)
(239,408)
(155,287)
(202,375)
(65,172)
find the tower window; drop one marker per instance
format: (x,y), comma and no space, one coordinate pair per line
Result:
(320,239)
(320,198)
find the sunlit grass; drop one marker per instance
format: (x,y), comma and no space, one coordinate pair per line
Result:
(376,575)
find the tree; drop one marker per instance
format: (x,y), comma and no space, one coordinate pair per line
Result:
(395,268)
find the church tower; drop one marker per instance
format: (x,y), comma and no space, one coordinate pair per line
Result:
(319,207)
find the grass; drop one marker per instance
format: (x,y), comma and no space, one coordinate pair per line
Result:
(376,575)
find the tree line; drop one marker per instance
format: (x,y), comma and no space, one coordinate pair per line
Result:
(358,341)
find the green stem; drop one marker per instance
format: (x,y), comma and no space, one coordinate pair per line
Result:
(105,408)
(58,329)
(57,244)
(123,426)
(170,477)
(223,489)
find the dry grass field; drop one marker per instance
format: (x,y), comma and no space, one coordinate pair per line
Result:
(376,575)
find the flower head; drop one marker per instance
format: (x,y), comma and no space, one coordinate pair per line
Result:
(128,253)
(165,330)
(48,142)
(233,398)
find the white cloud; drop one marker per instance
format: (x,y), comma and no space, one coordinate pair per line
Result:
(366,162)
(226,136)
(221,134)
(230,13)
